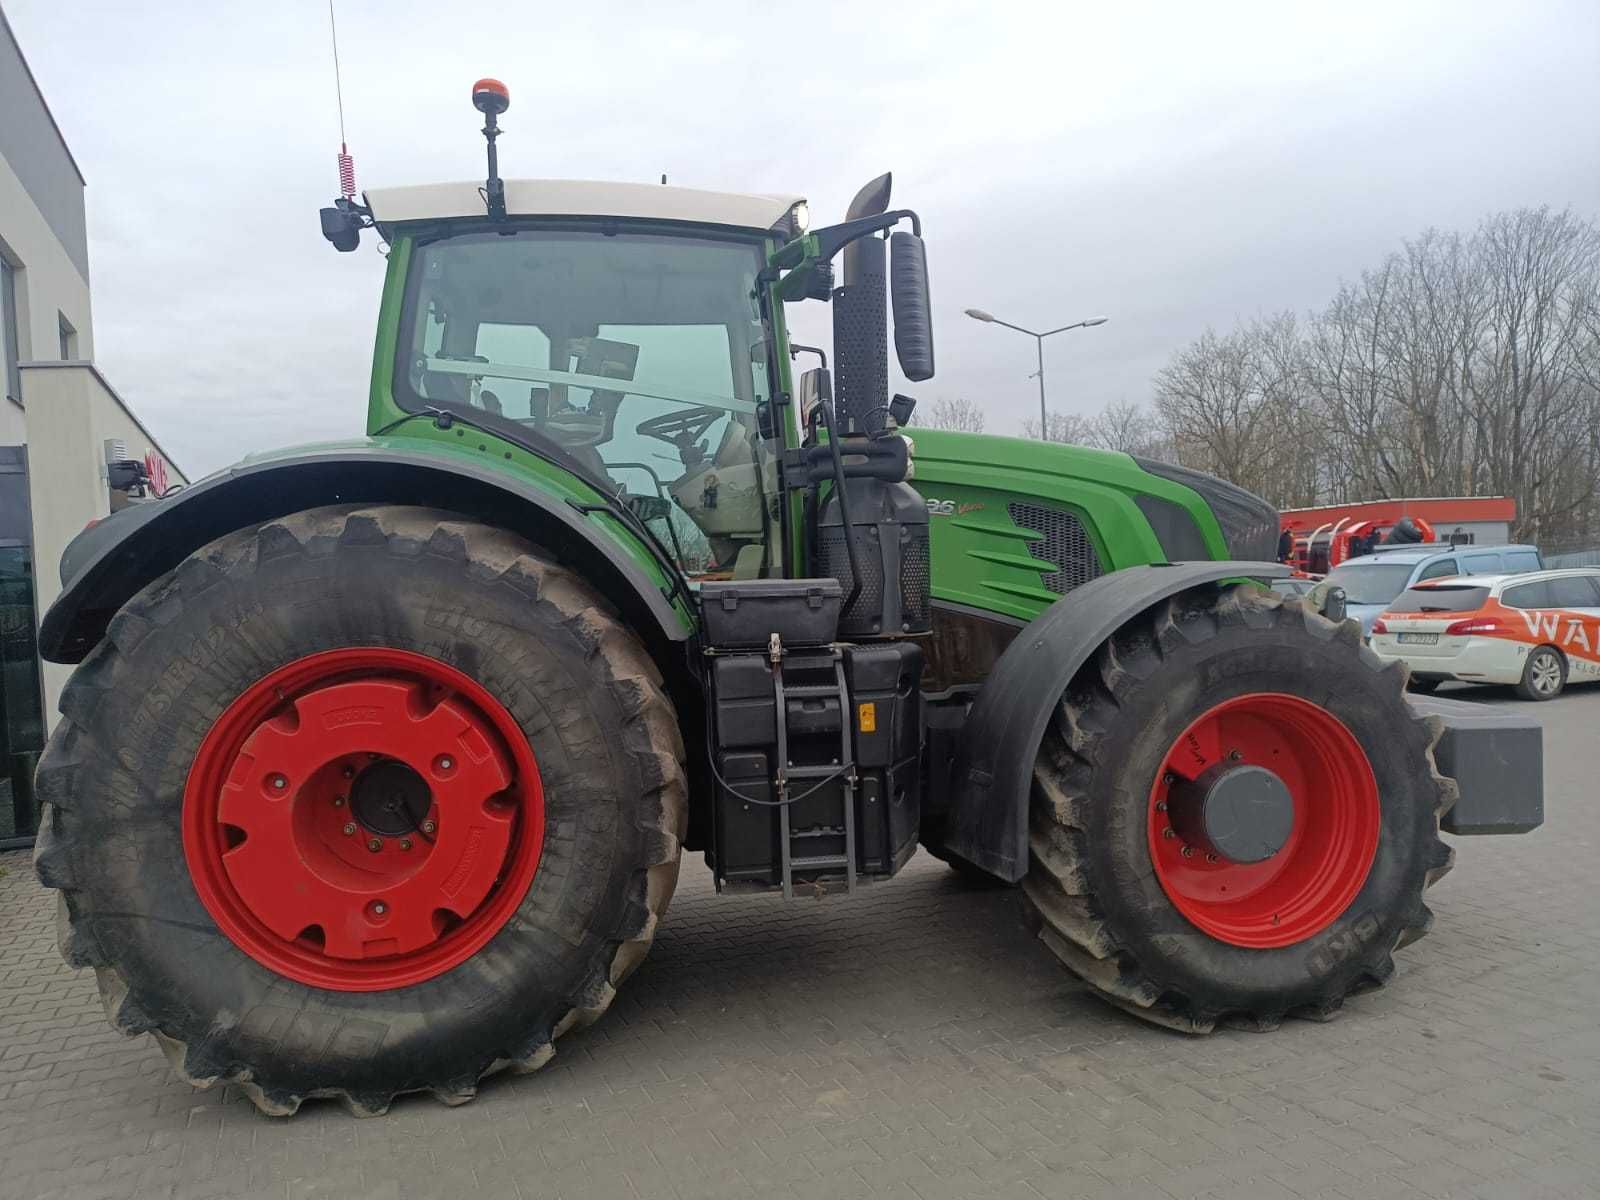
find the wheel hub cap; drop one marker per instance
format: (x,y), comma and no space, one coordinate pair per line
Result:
(1240,813)
(363,819)
(389,798)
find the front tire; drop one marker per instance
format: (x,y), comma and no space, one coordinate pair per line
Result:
(1544,675)
(362,802)
(1161,921)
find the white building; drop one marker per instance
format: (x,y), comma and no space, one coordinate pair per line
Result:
(60,421)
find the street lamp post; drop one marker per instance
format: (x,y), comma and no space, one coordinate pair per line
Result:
(977,314)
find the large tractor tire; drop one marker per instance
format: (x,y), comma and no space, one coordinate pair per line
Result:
(1235,814)
(362,802)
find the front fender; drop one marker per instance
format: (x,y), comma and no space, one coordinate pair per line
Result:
(988,822)
(105,565)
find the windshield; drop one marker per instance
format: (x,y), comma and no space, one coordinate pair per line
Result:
(640,357)
(1371,583)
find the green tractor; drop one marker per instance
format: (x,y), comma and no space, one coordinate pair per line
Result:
(380,756)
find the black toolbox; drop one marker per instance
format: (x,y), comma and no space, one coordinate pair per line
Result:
(745,613)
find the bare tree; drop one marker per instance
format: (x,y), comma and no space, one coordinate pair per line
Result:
(1060,427)
(959,414)
(1462,364)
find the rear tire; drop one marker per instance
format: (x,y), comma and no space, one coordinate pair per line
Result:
(1544,675)
(547,658)
(1101,889)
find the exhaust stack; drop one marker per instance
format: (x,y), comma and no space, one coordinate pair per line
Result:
(861,322)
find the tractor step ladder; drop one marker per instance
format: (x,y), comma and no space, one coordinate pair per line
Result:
(798,780)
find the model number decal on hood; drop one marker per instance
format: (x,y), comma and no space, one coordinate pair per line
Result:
(949,508)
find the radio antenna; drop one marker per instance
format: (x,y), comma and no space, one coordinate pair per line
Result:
(347,165)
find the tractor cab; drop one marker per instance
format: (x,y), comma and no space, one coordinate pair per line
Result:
(633,334)
(631,348)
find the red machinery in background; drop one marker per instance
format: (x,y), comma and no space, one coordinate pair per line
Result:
(1328,545)
(1315,540)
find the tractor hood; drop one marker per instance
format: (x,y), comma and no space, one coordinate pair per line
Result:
(1016,524)
(1249,523)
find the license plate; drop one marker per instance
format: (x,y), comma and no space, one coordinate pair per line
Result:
(1419,639)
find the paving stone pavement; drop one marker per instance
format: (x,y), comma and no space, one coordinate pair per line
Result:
(912,1043)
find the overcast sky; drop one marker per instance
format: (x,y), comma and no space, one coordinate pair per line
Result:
(1172,166)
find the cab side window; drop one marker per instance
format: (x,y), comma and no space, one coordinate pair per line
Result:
(1522,560)
(1442,569)
(1482,564)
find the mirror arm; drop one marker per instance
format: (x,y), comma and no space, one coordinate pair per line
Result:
(822,245)
(835,238)
(796,349)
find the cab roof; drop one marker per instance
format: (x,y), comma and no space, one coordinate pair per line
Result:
(581,198)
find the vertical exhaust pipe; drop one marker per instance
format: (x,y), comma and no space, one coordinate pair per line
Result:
(861,322)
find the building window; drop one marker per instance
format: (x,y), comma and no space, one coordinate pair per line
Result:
(69,338)
(8,330)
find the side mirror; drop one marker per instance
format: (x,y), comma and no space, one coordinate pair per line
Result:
(913,318)
(1333,604)
(342,228)
(815,387)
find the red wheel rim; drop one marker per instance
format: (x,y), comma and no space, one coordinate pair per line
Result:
(363,819)
(1323,864)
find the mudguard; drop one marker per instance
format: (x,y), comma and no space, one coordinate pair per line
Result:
(988,823)
(106,564)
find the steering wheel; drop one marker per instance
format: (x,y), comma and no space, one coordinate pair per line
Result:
(682,428)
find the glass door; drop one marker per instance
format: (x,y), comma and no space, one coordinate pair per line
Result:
(21,693)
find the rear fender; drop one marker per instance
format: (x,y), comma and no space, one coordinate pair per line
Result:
(104,566)
(988,823)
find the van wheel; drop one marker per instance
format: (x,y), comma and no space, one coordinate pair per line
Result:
(1544,675)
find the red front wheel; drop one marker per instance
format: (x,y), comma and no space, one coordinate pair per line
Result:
(1264,820)
(1235,815)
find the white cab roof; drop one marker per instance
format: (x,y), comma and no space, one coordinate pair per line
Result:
(581,198)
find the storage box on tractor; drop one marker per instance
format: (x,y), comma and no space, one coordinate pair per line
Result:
(380,756)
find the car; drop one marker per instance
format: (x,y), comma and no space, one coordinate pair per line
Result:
(1293,586)
(1372,581)
(1539,631)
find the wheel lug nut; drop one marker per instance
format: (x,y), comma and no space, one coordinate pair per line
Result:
(338,801)
(405,843)
(429,827)
(1188,851)
(1169,779)
(374,845)
(1168,833)
(380,908)
(446,762)
(1211,858)
(348,772)
(349,829)
(278,783)
(1161,806)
